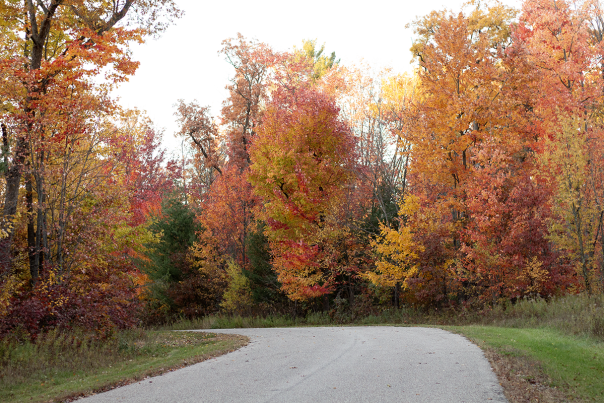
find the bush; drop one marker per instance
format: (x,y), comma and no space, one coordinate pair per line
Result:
(237,298)
(100,300)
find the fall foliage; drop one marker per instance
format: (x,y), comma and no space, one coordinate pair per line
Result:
(474,180)
(73,191)
(302,162)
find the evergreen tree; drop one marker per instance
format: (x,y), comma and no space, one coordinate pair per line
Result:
(167,262)
(263,280)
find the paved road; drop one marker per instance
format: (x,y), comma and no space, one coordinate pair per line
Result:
(330,364)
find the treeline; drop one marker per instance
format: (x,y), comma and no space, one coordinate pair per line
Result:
(476,180)
(80,175)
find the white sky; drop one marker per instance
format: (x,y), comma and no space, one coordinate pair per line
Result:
(184,63)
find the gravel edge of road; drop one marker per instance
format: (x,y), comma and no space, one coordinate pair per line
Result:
(522,378)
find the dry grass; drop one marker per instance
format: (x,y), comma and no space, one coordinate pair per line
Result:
(61,366)
(579,315)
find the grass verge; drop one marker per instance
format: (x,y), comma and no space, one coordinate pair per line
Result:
(541,364)
(62,367)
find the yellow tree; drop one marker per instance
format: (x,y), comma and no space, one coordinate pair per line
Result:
(321,63)
(572,161)
(398,248)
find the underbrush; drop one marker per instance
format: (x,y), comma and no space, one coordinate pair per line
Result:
(580,315)
(58,363)
(57,351)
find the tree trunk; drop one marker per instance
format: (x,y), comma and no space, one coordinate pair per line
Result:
(602,261)
(37,32)
(325,303)
(31,230)
(14,173)
(11,197)
(584,259)
(41,243)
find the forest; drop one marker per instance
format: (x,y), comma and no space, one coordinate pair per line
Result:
(475,181)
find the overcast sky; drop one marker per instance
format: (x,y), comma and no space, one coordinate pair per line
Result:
(184,63)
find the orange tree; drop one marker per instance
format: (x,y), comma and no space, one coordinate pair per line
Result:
(52,51)
(302,161)
(476,128)
(563,41)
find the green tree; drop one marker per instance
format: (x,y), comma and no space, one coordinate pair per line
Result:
(321,62)
(176,230)
(263,279)
(167,262)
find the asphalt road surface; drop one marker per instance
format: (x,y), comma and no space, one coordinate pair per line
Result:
(329,364)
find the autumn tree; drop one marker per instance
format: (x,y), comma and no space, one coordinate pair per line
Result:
(562,40)
(149,175)
(252,62)
(506,249)
(199,128)
(223,151)
(302,162)
(70,226)
(398,249)
(460,100)
(460,104)
(471,161)
(572,161)
(91,237)
(53,49)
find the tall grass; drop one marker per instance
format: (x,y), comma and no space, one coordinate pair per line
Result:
(572,314)
(580,315)
(57,351)
(57,354)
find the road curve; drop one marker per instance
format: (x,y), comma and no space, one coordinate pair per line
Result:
(329,364)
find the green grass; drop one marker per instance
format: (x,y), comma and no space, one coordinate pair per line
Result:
(575,364)
(61,365)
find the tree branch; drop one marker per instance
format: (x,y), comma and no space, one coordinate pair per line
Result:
(203,151)
(43,6)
